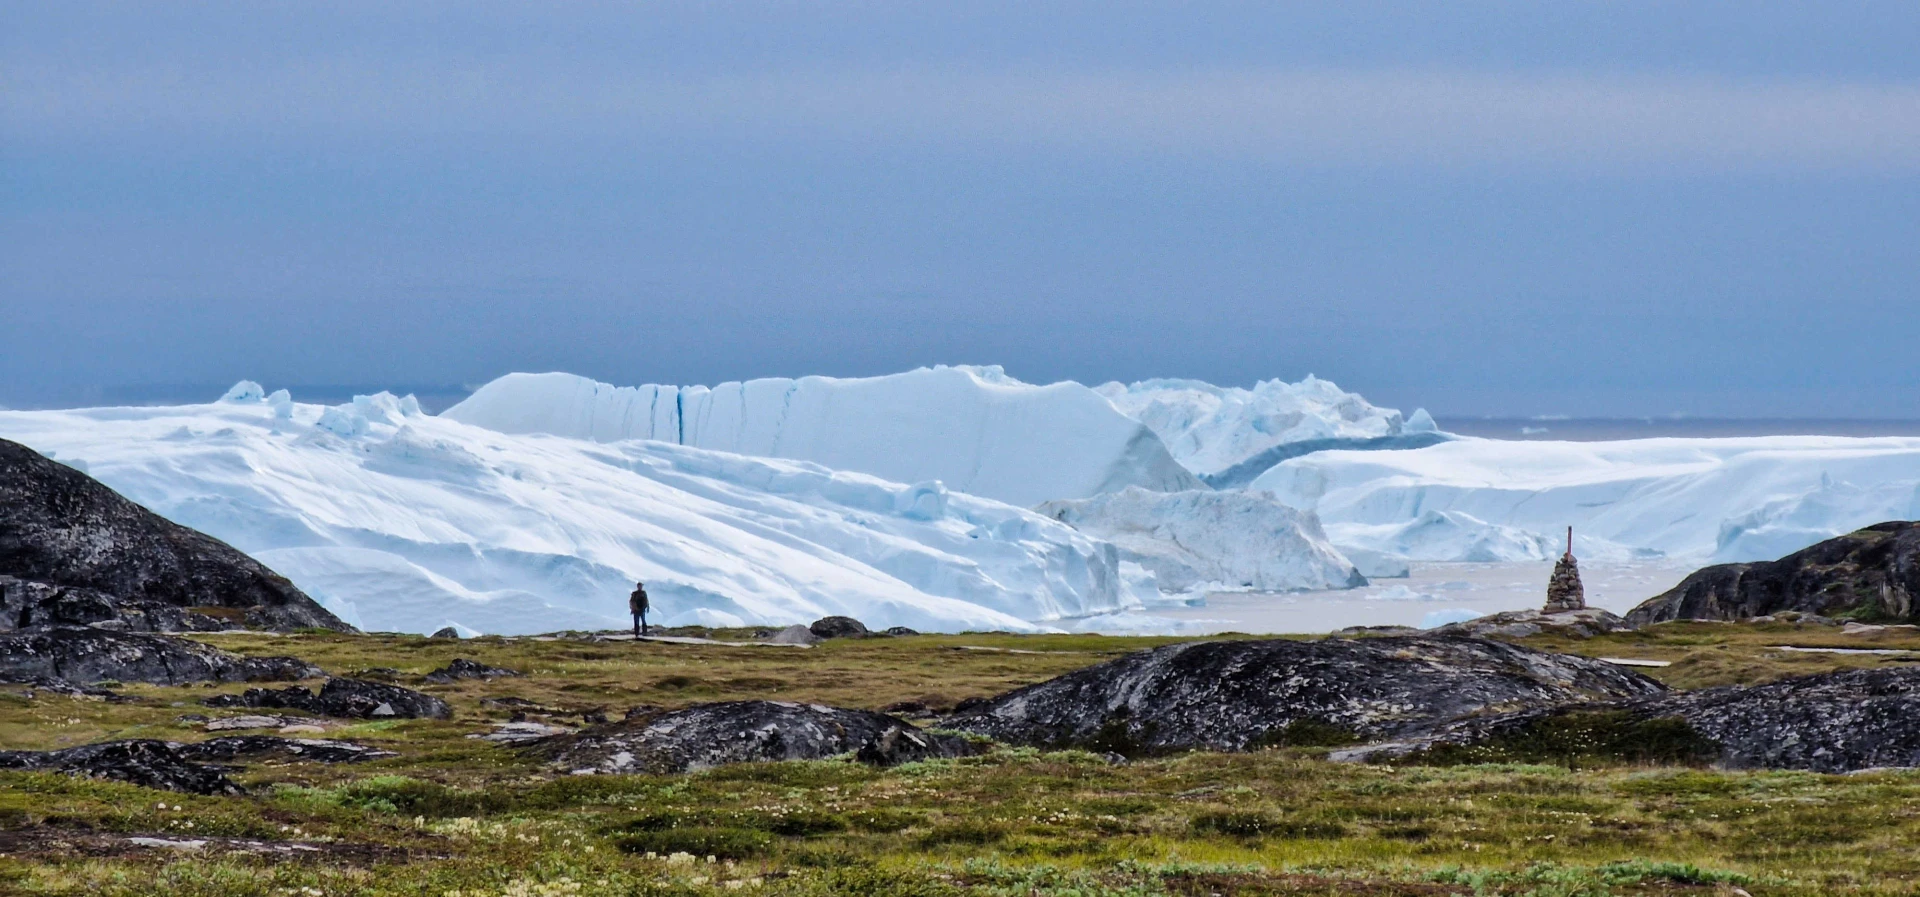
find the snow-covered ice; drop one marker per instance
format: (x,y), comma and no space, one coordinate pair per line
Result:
(1212,428)
(1695,499)
(974,428)
(403,521)
(1212,540)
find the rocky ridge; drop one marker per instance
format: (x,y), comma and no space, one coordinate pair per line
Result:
(707,735)
(1828,722)
(352,698)
(82,655)
(1240,695)
(73,551)
(1871,574)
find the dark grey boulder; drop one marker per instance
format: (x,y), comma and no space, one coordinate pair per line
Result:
(1240,695)
(74,551)
(145,762)
(253,747)
(1828,722)
(709,735)
(85,655)
(1873,574)
(838,627)
(901,630)
(353,698)
(445,632)
(462,668)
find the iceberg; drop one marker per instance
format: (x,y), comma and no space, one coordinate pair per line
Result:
(1217,541)
(1715,500)
(1229,435)
(399,520)
(975,429)
(1445,536)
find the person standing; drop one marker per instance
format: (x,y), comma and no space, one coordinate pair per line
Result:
(637,602)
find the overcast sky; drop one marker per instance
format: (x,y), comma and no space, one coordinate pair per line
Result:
(1510,208)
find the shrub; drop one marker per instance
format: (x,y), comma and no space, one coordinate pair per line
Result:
(725,843)
(1253,824)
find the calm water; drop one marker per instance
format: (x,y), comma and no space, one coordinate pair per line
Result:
(1595,429)
(1433,587)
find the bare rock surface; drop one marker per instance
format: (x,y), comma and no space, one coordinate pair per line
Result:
(355,698)
(708,735)
(73,551)
(85,655)
(146,762)
(1829,722)
(1239,695)
(1873,574)
(1583,623)
(252,747)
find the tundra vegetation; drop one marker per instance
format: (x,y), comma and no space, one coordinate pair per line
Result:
(1594,807)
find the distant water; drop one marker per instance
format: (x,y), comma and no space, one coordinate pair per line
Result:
(1434,592)
(1597,429)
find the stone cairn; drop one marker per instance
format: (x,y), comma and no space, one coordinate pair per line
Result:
(1564,591)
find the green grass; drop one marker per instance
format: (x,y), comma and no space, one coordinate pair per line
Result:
(1592,805)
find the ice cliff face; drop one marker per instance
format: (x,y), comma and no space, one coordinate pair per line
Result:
(396,520)
(974,429)
(1213,540)
(1212,429)
(1721,499)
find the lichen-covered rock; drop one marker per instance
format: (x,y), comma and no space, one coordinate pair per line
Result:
(247,747)
(355,698)
(1828,722)
(462,668)
(84,655)
(145,762)
(74,551)
(708,735)
(838,627)
(1872,573)
(1238,695)
(1584,623)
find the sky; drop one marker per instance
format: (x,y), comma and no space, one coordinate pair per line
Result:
(1484,208)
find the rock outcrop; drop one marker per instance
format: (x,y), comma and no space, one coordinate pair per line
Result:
(354,698)
(1240,695)
(1872,574)
(1828,722)
(838,627)
(85,655)
(708,735)
(1584,623)
(145,762)
(73,551)
(462,668)
(253,747)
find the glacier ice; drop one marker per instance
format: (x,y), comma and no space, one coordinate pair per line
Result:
(975,429)
(1210,429)
(399,520)
(1697,499)
(1445,536)
(1209,540)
